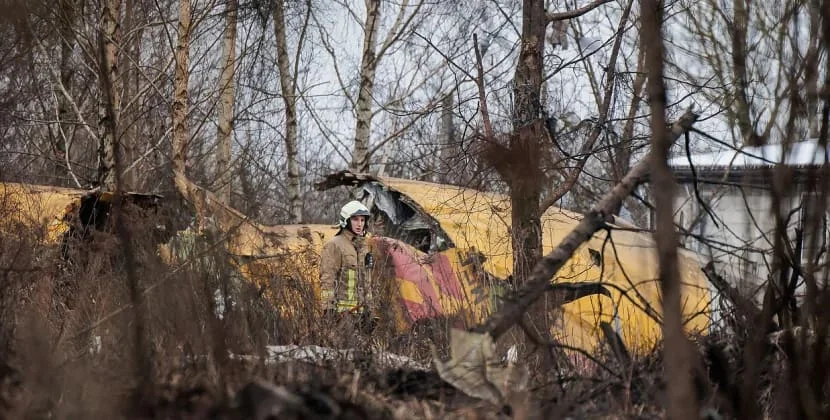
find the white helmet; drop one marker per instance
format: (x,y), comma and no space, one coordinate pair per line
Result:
(352,208)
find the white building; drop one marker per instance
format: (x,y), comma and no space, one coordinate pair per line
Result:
(736,186)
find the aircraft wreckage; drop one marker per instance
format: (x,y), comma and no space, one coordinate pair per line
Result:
(57,213)
(459,256)
(447,248)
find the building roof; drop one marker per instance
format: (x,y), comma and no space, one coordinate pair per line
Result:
(801,154)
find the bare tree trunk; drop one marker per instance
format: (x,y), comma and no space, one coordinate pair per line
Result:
(288,85)
(226,104)
(129,134)
(363,106)
(131,114)
(181,75)
(527,81)
(110,39)
(811,71)
(449,149)
(526,184)
(621,159)
(142,353)
(66,23)
(740,19)
(520,163)
(681,403)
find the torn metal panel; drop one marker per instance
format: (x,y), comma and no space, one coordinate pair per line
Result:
(382,199)
(398,216)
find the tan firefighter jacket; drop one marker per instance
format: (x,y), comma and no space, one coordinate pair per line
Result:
(344,279)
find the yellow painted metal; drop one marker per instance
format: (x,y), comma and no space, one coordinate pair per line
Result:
(47,209)
(274,256)
(410,291)
(481,221)
(39,207)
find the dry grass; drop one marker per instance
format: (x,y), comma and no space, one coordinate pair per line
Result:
(68,350)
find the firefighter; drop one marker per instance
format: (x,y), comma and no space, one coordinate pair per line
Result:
(345,281)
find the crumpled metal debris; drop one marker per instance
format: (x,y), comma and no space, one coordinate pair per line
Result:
(475,369)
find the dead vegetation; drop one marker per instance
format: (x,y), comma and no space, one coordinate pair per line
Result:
(69,349)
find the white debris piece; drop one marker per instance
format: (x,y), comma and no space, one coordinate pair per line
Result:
(319,354)
(512,355)
(95,345)
(219,300)
(474,368)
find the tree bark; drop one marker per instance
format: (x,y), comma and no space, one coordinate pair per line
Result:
(527,81)
(110,40)
(621,155)
(181,75)
(130,113)
(526,184)
(365,96)
(520,164)
(449,155)
(682,402)
(740,20)
(226,105)
(288,85)
(109,44)
(811,72)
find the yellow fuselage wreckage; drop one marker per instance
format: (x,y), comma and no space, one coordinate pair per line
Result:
(446,249)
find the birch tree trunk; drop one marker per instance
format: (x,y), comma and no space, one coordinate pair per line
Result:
(110,40)
(363,106)
(226,104)
(181,75)
(288,85)
(131,114)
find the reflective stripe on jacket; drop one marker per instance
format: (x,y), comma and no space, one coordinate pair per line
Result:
(344,280)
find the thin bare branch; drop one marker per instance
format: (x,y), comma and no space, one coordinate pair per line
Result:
(570,14)
(498,323)
(482,94)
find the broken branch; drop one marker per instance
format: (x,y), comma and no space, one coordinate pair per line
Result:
(616,344)
(485,115)
(501,321)
(570,14)
(744,307)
